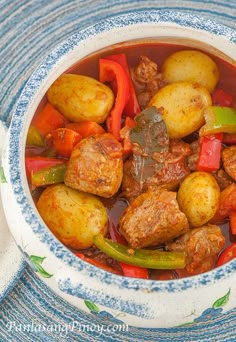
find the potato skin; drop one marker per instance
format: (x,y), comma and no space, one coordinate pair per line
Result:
(182,106)
(191,66)
(74,217)
(81,98)
(198,197)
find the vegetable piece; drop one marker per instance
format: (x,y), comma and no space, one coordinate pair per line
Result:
(182,105)
(191,66)
(81,98)
(147,137)
(49,175)
(98,264)
(134,271)
(219,120)
(221,98)
(210,152)
(232,220)
(128,270)
(228,254)
(48,119)
(64,140)
(155,259)
(86,128)
(34,164)
(132,106)
(34,137)
(74,217)
(110,71)
(198,197)
(227,203)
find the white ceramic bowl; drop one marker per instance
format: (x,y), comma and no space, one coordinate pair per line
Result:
(144,303)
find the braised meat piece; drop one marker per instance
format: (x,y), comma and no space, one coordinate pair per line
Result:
(202,246)
(222,178)
(229,161)
(96,166)
(169,170)
(153,218)
(193,157)
(146,80)
(179,147)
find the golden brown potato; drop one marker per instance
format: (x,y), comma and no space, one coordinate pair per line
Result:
(182,106)
(81,98)
(191,66)
(74,217)
(198,197)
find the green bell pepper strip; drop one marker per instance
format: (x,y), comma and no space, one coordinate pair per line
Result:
(154,259)
(34,137)
(219,120)
(49,175)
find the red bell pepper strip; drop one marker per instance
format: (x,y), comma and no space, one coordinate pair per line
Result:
(132,107)
(227,204)
(48,119)
(64,140)
(128,270)
(228,254)
(34,164)
(221,98)
(210,152)
(110,71)
(98,264)
(232,221)
(86,128)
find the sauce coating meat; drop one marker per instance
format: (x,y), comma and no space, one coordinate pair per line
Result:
(153,218)
(202,246)
(96,166)
(229,161)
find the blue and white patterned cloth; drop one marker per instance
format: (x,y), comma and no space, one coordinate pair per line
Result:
(29,29)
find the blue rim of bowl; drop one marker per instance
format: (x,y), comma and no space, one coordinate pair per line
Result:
(14,160)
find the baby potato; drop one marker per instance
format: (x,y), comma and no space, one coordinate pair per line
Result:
(198,197)
(191,66)
(182,106)
(81,98)
(74,217)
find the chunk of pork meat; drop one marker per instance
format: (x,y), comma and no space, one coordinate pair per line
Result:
(153,218)
(201,245)
(170,170)
(229,161)
(96,166)
(146,79)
